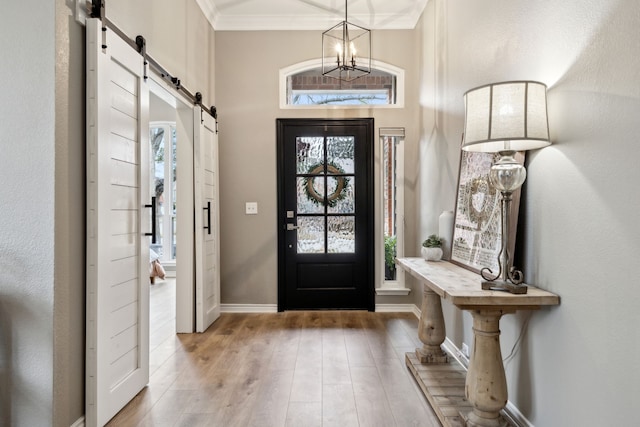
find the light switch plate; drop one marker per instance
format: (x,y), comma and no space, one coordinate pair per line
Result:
(251,208)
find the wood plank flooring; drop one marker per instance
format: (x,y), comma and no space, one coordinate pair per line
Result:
(298,369)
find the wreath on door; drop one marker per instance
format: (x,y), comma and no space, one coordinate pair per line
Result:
(338,194)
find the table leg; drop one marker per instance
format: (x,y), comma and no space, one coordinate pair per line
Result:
(486,384)
(431,329)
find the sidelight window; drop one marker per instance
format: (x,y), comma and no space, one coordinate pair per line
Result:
(392,197)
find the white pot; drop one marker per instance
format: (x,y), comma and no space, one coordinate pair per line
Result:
(432,254)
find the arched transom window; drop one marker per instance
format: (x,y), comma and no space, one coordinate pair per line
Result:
(303,86)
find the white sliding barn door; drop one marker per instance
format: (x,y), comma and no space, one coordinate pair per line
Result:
(117,329)
(207,254)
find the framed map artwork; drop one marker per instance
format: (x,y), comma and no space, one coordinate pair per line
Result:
(477,225)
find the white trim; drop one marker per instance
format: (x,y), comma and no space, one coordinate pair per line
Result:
(516,416)
(185,302)
(159,87)
(79,422)
(391,287)
(416,311)
(392,290)
(457,354)
(185,274)
(81,12)
(396,308)
(316,63)
(248,308)
(273,308)
(380,21)
(209,11)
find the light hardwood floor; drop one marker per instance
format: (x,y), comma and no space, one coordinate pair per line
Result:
(299,369)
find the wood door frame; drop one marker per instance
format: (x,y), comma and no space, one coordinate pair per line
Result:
(281,124)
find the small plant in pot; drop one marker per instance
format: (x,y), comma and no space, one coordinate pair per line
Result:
(432,248)
(390,243)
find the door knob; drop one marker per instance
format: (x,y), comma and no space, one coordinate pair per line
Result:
(291,227)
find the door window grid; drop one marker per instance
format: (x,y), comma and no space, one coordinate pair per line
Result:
(325,194)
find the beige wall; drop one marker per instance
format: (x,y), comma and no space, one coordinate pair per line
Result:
(178,37)
(247,66)
(576,363)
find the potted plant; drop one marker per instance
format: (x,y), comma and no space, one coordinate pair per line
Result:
(390,257)
(432,248)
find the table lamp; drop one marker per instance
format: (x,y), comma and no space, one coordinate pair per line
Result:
(505,118)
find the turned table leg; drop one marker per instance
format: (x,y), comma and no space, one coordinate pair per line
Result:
(431,329)
(486,384)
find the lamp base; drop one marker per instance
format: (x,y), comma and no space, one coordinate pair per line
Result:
(501,285)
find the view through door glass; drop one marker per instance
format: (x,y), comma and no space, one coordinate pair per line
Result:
(326,215)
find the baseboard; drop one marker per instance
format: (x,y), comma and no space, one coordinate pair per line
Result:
(273,308)
(510,411)
(392,291)
(248,308)
(457,354)
(516,416)
(397,308)
(79,422)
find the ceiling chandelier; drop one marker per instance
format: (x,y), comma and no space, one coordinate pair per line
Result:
(346,50)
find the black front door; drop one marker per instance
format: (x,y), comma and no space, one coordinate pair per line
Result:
(325,214)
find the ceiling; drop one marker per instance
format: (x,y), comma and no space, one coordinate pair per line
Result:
(249,15)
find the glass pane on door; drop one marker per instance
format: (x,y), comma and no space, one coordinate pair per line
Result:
(342,195)
(340,153)
(310,195)
(325,184)
(342,234)
(311,233)
(309,153)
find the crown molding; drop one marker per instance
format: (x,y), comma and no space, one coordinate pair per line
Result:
(402,20)
(210,11)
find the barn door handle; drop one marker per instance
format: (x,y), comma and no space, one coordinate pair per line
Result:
(153,220)
(208,209)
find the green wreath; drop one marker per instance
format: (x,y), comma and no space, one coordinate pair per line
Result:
(341,188)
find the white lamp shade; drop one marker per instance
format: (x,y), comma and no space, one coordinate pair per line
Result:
(506,116)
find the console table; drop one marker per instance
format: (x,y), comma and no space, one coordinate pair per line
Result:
(485,386)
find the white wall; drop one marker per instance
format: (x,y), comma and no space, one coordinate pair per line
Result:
(26,228)
(577,363)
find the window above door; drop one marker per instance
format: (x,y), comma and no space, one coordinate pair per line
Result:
(302,86)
